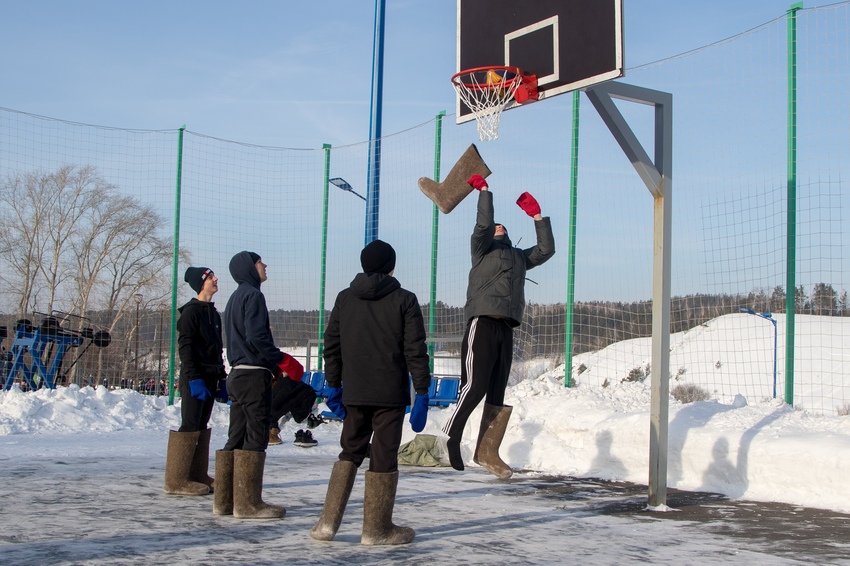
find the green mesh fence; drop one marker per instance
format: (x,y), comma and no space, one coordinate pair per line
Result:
(729,225)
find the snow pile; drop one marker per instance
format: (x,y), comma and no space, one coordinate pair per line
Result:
(74,409)
(766,451)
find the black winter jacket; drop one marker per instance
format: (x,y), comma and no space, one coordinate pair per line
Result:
(497,278)
(246,319)
(375,339)
(199,342)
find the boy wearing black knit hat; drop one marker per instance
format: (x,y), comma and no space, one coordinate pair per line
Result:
(201,368)
(375,339)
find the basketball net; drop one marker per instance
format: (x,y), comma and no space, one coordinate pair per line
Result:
(487,91)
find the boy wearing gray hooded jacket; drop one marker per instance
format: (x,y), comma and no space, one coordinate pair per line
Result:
(495,302)
(254,361)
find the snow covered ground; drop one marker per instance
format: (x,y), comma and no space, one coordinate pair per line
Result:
(82,470)
(96,498)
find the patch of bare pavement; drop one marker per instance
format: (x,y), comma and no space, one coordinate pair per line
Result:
(778,529)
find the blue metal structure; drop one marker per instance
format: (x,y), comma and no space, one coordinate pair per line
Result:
(38,352)
(35,341)
(373,183)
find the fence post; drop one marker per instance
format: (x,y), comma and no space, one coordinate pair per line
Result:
(435,230)
(327,148)
(174,261)
(571,248)
(791,259)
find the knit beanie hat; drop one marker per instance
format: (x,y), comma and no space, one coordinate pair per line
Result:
(195,277)
(378,257)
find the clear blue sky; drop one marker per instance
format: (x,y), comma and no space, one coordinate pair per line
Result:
(280,73)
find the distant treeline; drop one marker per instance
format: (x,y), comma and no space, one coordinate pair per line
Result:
(595,324)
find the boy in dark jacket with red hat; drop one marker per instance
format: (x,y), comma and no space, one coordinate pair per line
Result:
(374,344)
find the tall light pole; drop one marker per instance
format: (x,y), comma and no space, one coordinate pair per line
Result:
(373,183)
(768,317)
(138,297)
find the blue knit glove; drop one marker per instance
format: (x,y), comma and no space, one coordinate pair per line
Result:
(334,402)
(419,412)
(199,390)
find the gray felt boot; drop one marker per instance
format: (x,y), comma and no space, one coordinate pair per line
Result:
(199,471)
(178,462)
(378,503)
(223,496)
(454,188)
(339,490)
(494,421)
(248,503)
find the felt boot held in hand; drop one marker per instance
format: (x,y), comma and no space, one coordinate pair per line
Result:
(178,465)
(199,471)
(223,497)
(494,421)
(248,503)
(448,194)
(378,503)
(339,490)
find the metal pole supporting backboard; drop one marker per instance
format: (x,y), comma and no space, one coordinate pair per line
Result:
(657,175)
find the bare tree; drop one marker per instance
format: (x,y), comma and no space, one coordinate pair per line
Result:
(121,254)
(24,202)
(72,193)
(136,262)
(73,238)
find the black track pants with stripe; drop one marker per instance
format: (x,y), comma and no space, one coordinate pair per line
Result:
(486,353)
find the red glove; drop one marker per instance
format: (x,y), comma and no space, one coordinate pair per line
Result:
(477,182)
(529,204)
(291,367)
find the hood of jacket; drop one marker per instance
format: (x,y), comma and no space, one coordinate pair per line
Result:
(194,303)
(373,286)
(503,240)
(244,270)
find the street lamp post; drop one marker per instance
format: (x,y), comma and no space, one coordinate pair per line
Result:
(343,185)
(768,317)
(161,308)
(138,297)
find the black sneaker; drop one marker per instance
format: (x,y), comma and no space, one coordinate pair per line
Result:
(304,439)
(315,420)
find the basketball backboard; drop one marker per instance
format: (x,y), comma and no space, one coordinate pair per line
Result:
(567,44)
